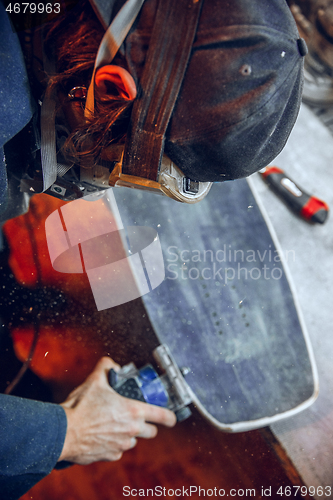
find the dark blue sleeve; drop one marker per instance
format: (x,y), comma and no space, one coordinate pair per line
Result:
(31,441)
(16,106)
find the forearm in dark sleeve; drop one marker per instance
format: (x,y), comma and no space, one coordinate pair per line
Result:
(32,438)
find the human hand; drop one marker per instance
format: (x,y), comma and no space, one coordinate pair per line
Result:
(101,424)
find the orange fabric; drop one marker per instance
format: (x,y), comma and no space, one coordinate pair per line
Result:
(64,355)
(29,257)
(118,76)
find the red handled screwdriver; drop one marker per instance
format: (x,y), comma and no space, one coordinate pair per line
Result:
(307,206)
